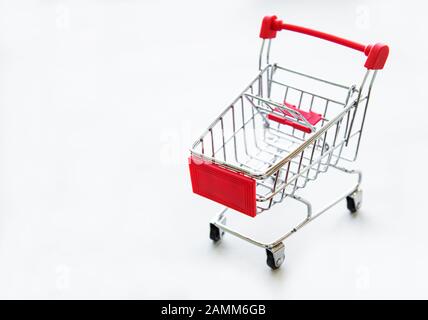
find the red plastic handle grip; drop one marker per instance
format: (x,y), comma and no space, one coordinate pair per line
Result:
(376,54)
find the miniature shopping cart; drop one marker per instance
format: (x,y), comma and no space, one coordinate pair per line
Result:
(280,133)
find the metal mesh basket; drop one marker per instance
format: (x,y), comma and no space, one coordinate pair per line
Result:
(281,132)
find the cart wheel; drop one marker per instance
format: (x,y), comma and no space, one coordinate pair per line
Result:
(354,201)
(216,234)
(275,256)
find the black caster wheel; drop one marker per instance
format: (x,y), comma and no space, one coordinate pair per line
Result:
(216,234)
(354,201)
(275,256)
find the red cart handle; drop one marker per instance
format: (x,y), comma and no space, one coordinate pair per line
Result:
(376,54)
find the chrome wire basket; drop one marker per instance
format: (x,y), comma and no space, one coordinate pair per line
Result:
(281,132)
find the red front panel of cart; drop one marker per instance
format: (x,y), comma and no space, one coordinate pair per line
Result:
(229,188)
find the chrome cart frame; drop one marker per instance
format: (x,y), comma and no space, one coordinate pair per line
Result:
(265,138)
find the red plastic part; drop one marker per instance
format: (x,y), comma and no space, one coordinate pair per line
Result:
(229,188)
(266,31)
(312,117)
(376,54)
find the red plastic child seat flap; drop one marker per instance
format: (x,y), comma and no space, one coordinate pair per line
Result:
(229,188)
(312,117)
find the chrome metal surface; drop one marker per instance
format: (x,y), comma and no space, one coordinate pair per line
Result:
(309,215)
(280,158)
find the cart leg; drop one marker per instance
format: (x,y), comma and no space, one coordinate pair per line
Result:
(275,256)
(275,250)
(354,200)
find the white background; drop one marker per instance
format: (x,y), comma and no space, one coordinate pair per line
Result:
(99,103)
